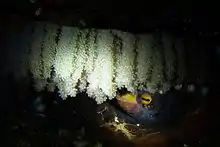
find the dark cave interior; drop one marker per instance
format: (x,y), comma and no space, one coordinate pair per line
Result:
(63,120)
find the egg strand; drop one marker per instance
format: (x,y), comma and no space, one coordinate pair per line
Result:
(35,57)
(102,61)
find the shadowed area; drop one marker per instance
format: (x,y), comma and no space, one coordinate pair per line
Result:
(177,118)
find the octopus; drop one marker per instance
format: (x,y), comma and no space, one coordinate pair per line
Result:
(150,109)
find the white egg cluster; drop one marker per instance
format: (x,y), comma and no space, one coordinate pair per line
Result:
(64,62)
(100,61)
(125,61)
(144,59)
(100,79)
(169,55)
(49,49)
(181,56)
(35,58)
(157,78)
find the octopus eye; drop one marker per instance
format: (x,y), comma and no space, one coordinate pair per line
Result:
(146,99)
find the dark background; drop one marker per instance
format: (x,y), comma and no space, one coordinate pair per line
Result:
(134,16)
(189,19)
